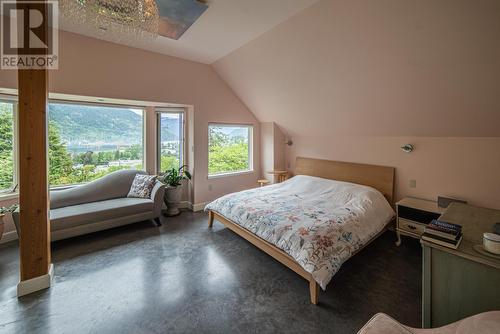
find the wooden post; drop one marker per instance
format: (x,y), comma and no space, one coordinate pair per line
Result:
(314,291)
(34,239)
(210,218)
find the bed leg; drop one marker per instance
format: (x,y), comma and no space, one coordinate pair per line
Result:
(314,291)
(210,218)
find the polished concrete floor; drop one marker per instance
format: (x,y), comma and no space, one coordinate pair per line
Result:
(185,278)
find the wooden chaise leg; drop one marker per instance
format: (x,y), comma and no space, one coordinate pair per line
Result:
(314,291)
(210,218)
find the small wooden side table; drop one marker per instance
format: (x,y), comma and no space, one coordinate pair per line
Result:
(280,175)
(413,215)
(263,182)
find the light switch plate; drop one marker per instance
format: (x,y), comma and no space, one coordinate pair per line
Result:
(413,183)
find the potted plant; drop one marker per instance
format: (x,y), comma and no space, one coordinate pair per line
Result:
(3,211)
(173,192)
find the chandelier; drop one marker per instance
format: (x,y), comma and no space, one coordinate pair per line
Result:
(120,19)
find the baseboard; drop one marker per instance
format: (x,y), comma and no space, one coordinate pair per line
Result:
(193,207)
(36,284)
(198,206)
(185,205)
(8,237)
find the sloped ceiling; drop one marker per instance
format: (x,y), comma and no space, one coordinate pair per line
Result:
(225,26)
(387,67)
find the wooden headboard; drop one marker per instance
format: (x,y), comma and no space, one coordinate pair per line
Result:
(378,177)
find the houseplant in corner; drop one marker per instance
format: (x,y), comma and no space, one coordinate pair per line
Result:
(173,191)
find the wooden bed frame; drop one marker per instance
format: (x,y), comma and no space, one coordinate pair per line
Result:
(378,177)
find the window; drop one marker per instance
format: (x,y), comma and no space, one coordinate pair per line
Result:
(7,165)
(229,149)
(88,141)
(170,139)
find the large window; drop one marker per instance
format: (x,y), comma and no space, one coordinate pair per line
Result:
(89,141)
(170,139)
(7,165)
(229,149)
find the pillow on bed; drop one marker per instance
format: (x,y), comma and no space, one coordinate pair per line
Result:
(142,186)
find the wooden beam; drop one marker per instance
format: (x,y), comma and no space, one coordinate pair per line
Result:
(34,236)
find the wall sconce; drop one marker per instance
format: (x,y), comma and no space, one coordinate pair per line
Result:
(289,142)
(407,148)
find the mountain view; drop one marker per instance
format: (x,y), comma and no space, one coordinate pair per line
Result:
(169,129)
(79,124)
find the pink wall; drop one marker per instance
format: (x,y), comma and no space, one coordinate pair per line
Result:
(92,67)
(467,168)
(353,80)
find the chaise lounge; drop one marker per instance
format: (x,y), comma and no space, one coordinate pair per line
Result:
(99,205)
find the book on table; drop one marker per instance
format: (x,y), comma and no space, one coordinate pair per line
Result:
(452,235)
(445,226)
(443,233)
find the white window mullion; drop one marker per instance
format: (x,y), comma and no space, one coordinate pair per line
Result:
(175,115)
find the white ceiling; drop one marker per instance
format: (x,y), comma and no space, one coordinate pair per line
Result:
(224,27)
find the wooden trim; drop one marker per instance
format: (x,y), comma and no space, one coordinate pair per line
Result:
(210,218)
(314,291)
(34,239)
(33,185)
(378,177)
(270,249)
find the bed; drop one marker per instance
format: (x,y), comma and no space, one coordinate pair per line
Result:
(315,221)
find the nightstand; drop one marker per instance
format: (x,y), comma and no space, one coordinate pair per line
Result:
(279,175)
(263,182)
(413,215)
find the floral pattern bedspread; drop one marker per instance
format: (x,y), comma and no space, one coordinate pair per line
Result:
(320,223)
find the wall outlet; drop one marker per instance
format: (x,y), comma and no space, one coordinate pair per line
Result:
(413,183)
(209,187)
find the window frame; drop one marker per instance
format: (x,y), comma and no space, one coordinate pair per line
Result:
(15,147)
(6,193)
(182,129)
(250,169)
(106,105)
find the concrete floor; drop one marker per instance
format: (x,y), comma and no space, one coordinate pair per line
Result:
(185,278)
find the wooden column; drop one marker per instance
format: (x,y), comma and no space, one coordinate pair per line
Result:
(34,238)
(33,185)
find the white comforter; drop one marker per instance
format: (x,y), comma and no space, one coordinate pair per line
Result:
(318,222)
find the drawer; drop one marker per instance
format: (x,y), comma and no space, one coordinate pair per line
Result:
(410,226)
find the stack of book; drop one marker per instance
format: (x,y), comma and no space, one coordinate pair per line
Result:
(443,233)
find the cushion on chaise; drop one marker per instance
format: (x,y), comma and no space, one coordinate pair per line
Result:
(142,186)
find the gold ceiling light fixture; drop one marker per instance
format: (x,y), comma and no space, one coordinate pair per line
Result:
(117,19)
